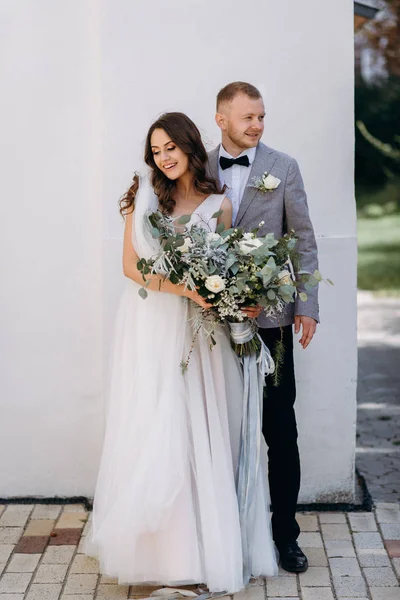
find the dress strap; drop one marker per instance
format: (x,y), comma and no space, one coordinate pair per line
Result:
(212,204)
(203,214)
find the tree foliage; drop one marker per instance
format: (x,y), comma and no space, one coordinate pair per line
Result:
(377,99)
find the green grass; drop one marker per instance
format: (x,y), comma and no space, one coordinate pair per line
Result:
(379,254)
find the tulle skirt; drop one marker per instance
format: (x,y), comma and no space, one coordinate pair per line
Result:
(165,509)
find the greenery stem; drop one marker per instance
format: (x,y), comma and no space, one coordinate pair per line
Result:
(279,355)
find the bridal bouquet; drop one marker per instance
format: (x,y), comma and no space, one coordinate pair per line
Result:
(231,270)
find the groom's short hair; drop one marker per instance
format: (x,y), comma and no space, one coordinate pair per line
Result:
(230,91)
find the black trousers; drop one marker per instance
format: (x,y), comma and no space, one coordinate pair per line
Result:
(280,432)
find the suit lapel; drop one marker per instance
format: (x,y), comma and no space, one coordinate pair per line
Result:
(213,163)
(263,162)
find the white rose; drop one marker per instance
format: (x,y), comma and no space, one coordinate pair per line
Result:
(215,284)
(212,237)
(247,245)
(270,182)
(285,278)
(186,245)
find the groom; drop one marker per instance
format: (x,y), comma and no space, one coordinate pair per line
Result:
(236,162)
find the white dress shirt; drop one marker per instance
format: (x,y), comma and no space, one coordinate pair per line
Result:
(235,178)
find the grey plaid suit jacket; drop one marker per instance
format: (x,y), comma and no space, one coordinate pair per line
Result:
(283,209)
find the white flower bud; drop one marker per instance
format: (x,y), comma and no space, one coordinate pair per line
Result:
(285,278)
(186,246)
(215,283)
(270,182)
(247,245)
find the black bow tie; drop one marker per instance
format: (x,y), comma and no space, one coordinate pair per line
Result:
(226,163)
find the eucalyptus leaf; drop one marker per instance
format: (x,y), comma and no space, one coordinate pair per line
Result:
(267,270)
(266,274)
(312,281)
(303,296)
(142,293)
(330,281)
(259,259)
(271,294)
(217,214)
(263,301)
(269,241)
(220,228)
(155,232)
(227,232)
(266,280)
(184,219)
(241,286)
(317,275)
(231,260)
(287,290)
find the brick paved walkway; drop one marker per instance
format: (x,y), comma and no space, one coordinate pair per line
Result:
(353,555)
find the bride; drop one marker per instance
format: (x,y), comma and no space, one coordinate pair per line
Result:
(165,507)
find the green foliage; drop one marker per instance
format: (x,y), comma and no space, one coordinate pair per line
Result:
(184,220)
(184,366)
(287,245)
(377,108)
(378,254)
(279,357)
(251,270)
(317,276)
(248,348)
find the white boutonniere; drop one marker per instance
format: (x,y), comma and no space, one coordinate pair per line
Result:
(266,183)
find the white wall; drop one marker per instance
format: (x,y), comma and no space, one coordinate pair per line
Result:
(154,57)
(51,256)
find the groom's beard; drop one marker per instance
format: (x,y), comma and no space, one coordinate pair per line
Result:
(245,139)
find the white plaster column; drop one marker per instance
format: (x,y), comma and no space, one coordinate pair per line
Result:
(82,83)
(176,56)
(51,249)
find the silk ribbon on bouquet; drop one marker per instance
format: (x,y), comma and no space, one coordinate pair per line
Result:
(255,368)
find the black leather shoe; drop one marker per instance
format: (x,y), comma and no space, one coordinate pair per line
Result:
(292,558)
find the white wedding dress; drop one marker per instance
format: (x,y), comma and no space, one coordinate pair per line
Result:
(165,508)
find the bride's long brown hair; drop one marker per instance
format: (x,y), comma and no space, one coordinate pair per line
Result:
(184,133)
